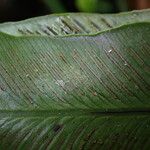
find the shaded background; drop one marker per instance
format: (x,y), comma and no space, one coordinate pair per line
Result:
(14,10)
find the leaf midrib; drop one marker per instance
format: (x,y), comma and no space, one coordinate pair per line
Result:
(62,113)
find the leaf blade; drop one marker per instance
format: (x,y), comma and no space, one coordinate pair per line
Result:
(73,23)
(39,108)
(89,69)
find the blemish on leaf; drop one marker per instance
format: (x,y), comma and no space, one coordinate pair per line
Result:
(60,83)
(125,63)
(63,58)
(2,88)
(94,93)
(27,75)
(110,51)
(57,127)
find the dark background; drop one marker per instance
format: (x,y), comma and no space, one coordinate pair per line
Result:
(14,10)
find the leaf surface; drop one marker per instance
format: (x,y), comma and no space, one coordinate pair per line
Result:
(73,23)
(76,92)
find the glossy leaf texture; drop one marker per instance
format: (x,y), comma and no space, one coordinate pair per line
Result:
(73,23)
(76,92)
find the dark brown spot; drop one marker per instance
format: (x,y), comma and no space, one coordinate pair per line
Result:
(82,94)
(63,57)
(57,127)
(2,88)
(94,93)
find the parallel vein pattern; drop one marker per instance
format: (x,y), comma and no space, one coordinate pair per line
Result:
(82,132)
(76,92)
(86,72)
(73,23)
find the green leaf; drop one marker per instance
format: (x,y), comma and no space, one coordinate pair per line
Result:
(91,5)
(76,92)
(55,6)
(102,6)
(73,23)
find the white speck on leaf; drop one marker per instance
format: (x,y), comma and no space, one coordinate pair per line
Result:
(125,63)
(36,70)
(27,75)
(110,51)
(60,83)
